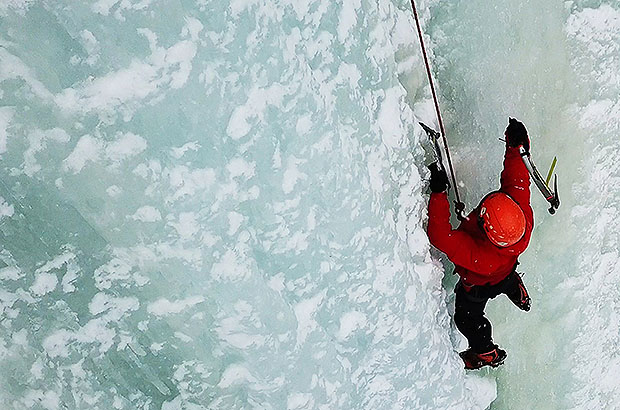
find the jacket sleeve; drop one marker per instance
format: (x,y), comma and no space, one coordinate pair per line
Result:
(515,180)
(460,248)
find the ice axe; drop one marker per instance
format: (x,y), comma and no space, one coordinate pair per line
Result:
(543,186)
(434,137)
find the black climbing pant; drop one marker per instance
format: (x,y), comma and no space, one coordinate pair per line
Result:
(469,310)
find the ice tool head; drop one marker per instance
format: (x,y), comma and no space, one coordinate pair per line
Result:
(502,219)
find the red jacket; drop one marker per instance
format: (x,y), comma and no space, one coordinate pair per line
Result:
(477,260)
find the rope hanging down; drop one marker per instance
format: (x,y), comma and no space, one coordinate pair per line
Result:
(458,204)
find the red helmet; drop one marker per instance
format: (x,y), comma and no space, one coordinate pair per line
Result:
(502,219)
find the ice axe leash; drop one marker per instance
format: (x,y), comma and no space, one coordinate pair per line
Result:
(459,206)
(543,186)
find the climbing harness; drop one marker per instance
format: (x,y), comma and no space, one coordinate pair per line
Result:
(459,206)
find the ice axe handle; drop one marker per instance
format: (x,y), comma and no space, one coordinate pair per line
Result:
(551,196)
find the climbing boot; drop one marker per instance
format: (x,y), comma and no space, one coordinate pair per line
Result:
(475,360)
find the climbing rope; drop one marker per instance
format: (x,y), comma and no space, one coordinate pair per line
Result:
(459,206)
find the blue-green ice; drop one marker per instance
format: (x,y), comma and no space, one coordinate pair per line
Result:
(221,204)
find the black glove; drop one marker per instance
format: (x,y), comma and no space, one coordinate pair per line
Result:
(516,134)
(439,178)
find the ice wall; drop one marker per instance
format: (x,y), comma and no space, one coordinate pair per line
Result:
(594,32)
(554,65)
(217,205)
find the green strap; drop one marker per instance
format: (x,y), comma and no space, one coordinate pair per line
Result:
(555,160)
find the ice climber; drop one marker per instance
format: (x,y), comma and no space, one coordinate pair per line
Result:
(485,247)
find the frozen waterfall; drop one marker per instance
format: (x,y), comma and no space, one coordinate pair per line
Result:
(221,204)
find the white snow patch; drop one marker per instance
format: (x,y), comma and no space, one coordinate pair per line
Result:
(187,226)
(92,149)
(103,6)
(348,18)
(164,307)
(375,163)
(12,67)
(6,115)
(235,374)
(156,347)
(44,283)
(277,282)
(292,174)
(311,220)
(48,400)
(88,149)
(96,331)
(91,45)
(482,391)
(118,269)
(10,273)
(6,210)
(56,345)
(230,267)
(73,269)
(237,6)
(239,167)
(99,303)
(174,404)
(126,88)
(116,306)
(304,125)
(304,312)
(258,100)
(301,7)
(20,338)
(379,385)
(187,181)
(126,146)
(19,6)
(349,322)
(389,118)
(180,151)
(37,142)
(235,220)
(193,27)
(234,331)
(60,260)
(146,213)
(241,340)
(37,369)
(114,191)
(296,401)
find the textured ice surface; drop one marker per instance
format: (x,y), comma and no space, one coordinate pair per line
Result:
(218,205)
(556,66)
(595,35)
